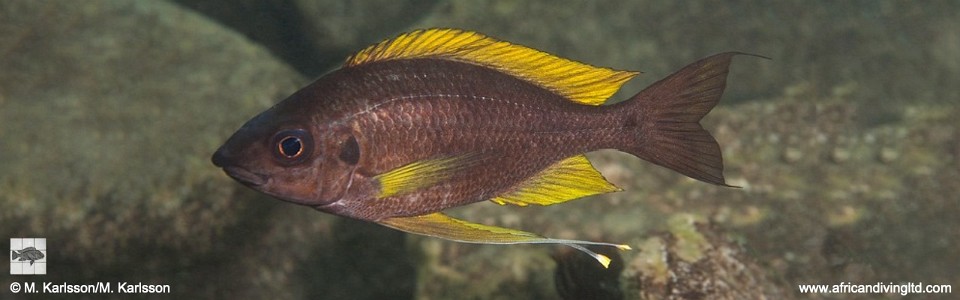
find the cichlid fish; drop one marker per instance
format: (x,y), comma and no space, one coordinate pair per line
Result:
(25,254)
(439,118)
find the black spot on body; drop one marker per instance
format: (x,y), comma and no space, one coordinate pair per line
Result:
(350,151)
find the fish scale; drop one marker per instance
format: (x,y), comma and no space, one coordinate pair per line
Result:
(441,118)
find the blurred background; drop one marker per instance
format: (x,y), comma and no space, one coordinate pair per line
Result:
(846,145)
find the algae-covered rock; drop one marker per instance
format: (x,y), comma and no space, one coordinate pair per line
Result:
(110,111)
(885,211)
(109,118)
(845,145)
(897,52)
(693,261)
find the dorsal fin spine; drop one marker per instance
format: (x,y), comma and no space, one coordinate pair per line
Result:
(576,81)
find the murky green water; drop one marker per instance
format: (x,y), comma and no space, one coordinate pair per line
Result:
(846,145)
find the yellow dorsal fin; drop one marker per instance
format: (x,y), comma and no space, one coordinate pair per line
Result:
(421,174)
(563,181)
(442,226)
(576,81)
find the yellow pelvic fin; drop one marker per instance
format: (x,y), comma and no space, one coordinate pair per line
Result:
(442,226)
(421,174)
(577,81)
(563,181)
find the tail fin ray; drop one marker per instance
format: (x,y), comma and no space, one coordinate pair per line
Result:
(668,113)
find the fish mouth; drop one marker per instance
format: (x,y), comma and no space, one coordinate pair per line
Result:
(245,176)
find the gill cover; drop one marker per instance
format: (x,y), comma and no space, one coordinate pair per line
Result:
(338,163)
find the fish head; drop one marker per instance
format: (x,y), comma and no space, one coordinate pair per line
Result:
(35,255)
(283,153)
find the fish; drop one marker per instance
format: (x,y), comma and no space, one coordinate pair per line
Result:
(439,118)
(28,253)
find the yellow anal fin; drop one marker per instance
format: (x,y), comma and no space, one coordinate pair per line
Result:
(576,81)
(442,226)
(421,174)
(563,181)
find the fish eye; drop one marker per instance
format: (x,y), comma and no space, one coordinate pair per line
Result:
(291,145)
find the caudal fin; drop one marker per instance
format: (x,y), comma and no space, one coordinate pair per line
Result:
(667,115)
(14,255)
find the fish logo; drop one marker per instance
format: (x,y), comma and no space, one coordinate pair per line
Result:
(28,253)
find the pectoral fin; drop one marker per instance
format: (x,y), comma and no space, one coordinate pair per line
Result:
(442,226)
(421,174)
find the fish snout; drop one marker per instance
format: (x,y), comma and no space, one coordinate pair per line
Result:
(223,159)
(219,159)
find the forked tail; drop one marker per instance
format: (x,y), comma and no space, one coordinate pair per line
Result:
(667,118)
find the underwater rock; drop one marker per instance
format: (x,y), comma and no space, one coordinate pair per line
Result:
(694,261)
(821,42)
(811,220)
(110,111)
(109,114)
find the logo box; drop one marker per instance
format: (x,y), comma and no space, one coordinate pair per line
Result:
(28,256)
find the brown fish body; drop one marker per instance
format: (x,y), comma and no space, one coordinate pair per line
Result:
(513,128)
(441,118)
